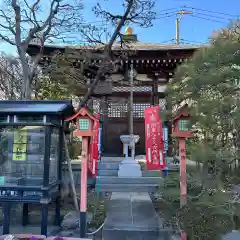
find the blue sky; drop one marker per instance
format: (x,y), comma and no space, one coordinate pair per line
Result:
(194,29)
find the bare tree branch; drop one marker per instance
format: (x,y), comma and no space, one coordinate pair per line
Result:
(21,23)
(97,60)
(106,54)
(10,77)
(141,13)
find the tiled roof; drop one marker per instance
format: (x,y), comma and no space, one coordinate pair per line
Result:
(155,46)
(131,46)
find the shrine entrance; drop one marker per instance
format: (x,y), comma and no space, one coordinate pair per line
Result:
(115,125)
(116,118)
(153,68)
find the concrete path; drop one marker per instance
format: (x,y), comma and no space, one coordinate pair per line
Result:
(132,216)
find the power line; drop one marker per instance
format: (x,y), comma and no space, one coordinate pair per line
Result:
(209,15)
(204,16)
(167,16)
(208,19)
(163,14)
(192,41)
(167,41)
(196,11)
(197,15)
(170,9)
(219,13)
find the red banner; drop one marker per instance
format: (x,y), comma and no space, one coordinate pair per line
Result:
(93,148)
(154,139)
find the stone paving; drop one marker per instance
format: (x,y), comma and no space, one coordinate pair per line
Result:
(132,216)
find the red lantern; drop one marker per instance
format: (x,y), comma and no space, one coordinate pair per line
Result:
(84,123)
(181,123)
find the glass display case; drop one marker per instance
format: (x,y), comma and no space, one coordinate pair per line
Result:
(22,154)
(31,154)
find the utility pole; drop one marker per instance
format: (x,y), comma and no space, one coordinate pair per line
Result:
(178,19)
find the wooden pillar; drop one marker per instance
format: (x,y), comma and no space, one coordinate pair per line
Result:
(155,98)
(104,111)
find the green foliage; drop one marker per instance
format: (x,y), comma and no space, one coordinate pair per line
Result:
(73,69)
(208,213)
(49,89)
(52,90)
(97,206)
(202,221)
(75,148)
(210,84)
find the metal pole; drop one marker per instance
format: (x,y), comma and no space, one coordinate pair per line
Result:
(131,101)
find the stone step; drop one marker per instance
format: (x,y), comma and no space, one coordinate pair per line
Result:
(136,234)
(128,180)
(148,188)
(112,159)
(132,216)
(108,166)
(113,173)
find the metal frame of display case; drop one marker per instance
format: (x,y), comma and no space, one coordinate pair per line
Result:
(53,114)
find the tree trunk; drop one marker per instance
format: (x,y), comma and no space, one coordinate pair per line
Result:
(106,53)
(26,85)
(70,172)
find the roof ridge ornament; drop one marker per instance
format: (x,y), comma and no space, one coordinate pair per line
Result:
(129,36)
(128,31)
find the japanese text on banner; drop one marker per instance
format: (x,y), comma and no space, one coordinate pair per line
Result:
(154,139)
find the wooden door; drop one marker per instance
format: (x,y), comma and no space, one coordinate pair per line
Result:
(138,125)
(115,125)
(113,145)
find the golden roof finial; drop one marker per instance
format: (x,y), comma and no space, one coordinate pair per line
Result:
(128,31)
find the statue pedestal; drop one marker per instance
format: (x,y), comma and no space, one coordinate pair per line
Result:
(129,167)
